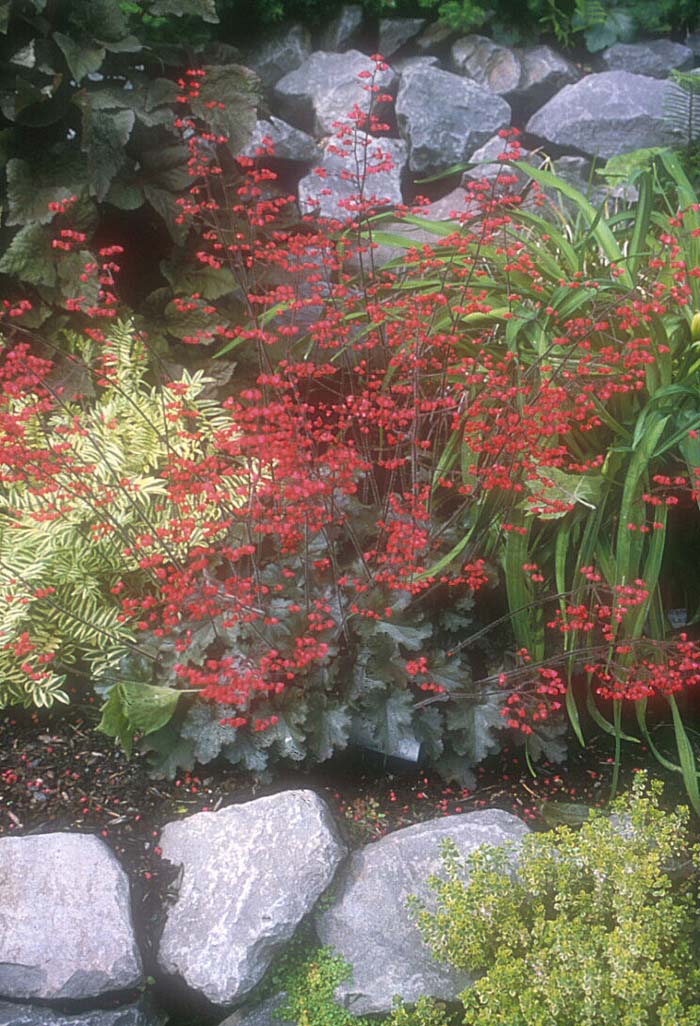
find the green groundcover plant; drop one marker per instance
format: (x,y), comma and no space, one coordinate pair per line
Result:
(596,927)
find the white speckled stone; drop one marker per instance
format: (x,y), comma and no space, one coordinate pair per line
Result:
(250,874)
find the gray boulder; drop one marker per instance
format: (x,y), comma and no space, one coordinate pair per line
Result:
(281,53)
(326,88)
(140,1014)
(655,57)
(289,143)
(250,873)
(334,195)
(544,73)
(338,35)
(404,65)
(490,64)
(65,919)
(396,32)
(526,78)
(444,118)
(369,925)
(606,114)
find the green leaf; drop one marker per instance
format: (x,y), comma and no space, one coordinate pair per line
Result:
(163,203)
(584,489)
(328,727)
(473,727)
(146,706)
(686,756)
(125,195)
(98,19)
(26,57)
(105,135)
(4,15)
(82,58)
(115,723)
(204,9)
(168,753)
(30,256)
(32,186)
(598,226)
(411,638)
(236,88)
(385,722)
(618,26)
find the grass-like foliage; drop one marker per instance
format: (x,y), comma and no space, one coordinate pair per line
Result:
(597,927)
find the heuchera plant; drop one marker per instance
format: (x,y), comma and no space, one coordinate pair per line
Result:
(504,397)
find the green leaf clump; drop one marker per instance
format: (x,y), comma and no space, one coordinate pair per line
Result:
(597,926)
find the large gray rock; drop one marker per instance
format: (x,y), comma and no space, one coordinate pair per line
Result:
(250,873)
(490,64)
(395,32)
(140,1014)
(281,53)
(335,195)
(289,143)
(444,118)
(544,73)
(338,35)
(655,57)
(369,925)
(65,919)
(404,65)
(326,88)
(606,114)
(526,78)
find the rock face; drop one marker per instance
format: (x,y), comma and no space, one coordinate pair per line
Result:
(289,143)
(327,86)
(280,54)
(339,34)
(655,57)
(491,65)
(605,114)
(250,873)
(444,117)
(394,32)
(369,925)
(544,73)
(65,919)
(526,78)
(140,1014)
(335,195)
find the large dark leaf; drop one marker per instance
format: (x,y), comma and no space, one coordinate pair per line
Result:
(105,135)
(82,58)
(101,20)
(30,256)
(31,187)
(235,87)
